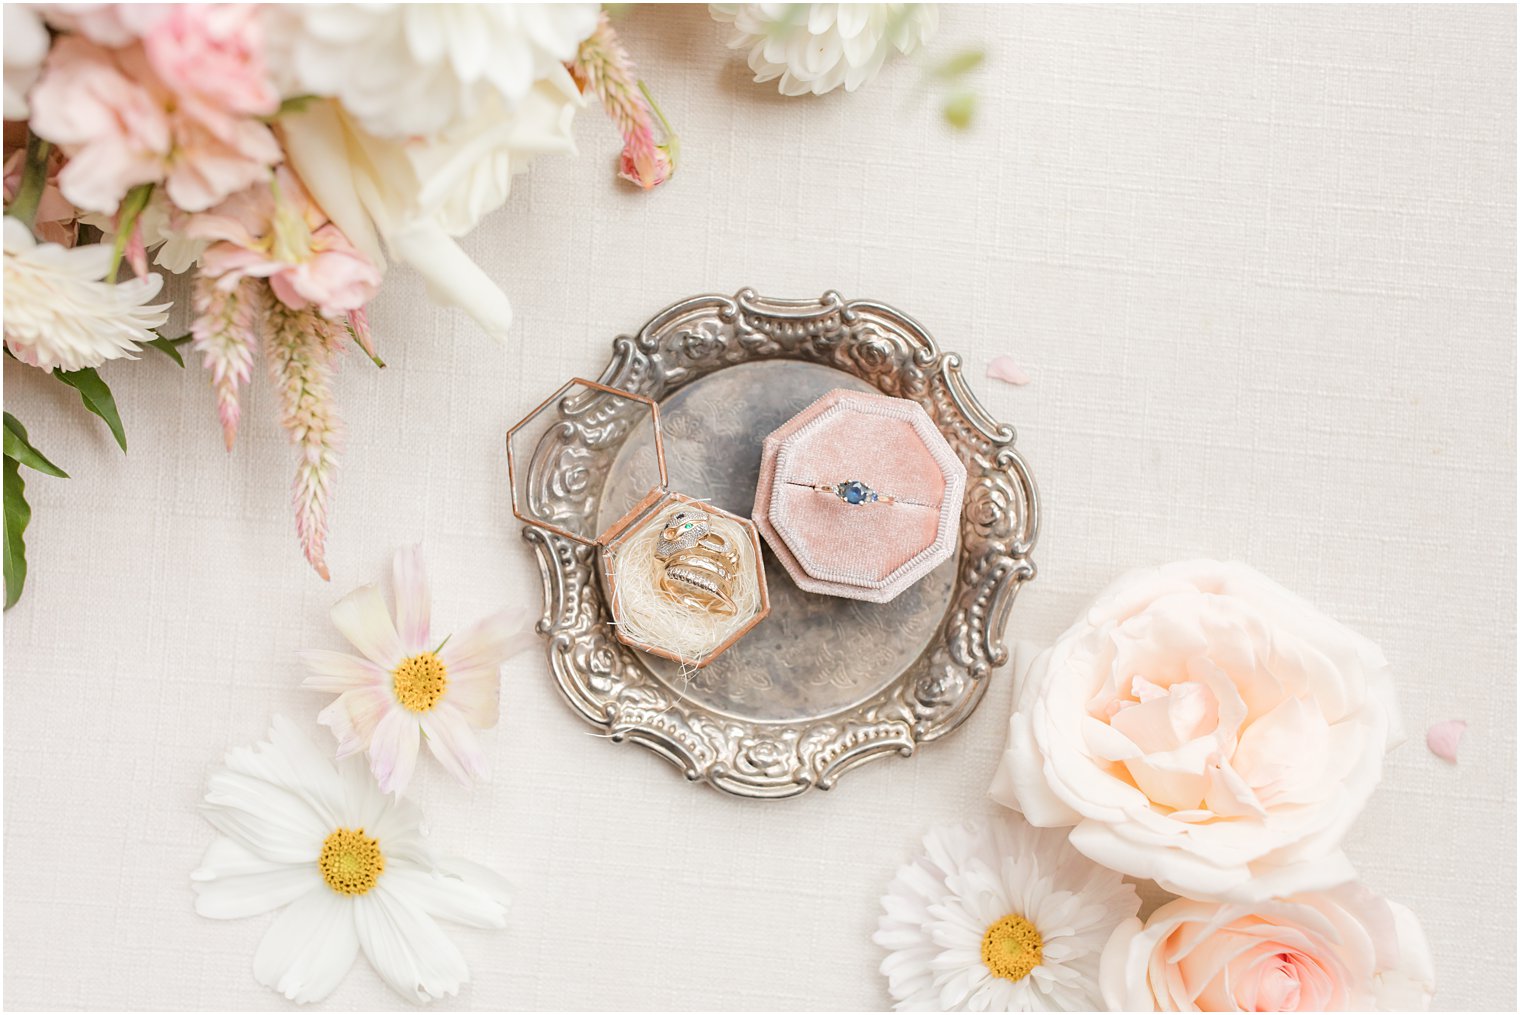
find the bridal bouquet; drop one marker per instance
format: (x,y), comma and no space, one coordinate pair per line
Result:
(280,156)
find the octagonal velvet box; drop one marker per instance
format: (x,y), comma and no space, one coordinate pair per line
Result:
(859,495)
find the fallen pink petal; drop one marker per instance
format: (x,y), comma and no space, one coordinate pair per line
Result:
(1003,368)
(1443,738)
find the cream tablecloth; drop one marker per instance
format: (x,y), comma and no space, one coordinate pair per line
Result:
(1260,264)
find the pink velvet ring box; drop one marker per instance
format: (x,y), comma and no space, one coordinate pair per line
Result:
(874,549)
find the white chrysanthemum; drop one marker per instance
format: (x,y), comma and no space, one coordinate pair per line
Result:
(59,311)
(26,45)
(999,916)
(818,47)
(402,70)
(347,863)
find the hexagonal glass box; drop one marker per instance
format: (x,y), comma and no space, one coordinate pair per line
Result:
(684,579)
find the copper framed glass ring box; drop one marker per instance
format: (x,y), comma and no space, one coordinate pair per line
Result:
(684,578)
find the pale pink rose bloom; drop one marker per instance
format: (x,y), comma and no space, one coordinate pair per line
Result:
(121,127)
(278,232)
(214,54)
(412,683)
(1341,950)
(1203,727)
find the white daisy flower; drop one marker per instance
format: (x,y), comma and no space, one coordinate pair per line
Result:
(408,686)
(60,311)
(402,70)
(818,47)
(999,916)
(347,863)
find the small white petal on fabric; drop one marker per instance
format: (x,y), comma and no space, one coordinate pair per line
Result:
(309,948)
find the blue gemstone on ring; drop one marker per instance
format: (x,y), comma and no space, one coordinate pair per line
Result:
(855,492)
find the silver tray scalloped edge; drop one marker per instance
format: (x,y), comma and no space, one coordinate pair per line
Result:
(613,687)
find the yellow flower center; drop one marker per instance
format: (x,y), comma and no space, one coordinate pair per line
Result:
(1012,947)
(419,682)
(351,862)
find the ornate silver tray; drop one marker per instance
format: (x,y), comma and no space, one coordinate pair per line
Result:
(822,684)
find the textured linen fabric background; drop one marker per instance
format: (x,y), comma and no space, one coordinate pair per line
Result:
(1260,264)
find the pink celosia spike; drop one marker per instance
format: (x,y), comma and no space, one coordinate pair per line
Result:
(603,65)
(301,349)
(224,332)
(358,326)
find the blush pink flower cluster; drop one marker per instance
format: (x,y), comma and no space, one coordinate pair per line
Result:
(278,232)
(179,106)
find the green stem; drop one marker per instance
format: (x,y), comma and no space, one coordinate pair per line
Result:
(664,123)
(126,220)
(33,180)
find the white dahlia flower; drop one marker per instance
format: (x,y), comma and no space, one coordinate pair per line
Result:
(818,47)
(60,311)
(402,70)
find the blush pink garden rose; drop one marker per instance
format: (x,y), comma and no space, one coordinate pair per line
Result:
(1342,950)
(1203,727)
(278,232)
(212,55)
(121,126)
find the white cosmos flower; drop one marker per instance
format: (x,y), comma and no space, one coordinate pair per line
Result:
(26,45)
(402,70)
(410,685)
(818,47)
(999,916)
(418,194)
(349,866)
(59,311)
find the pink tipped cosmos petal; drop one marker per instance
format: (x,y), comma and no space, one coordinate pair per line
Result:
(1003,368)
(1443,738)
(412,684)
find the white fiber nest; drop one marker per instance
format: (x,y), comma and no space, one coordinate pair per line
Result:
(643,613)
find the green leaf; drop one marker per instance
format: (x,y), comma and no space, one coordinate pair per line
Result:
(96,397)
(959,109)
(961,63)
(126,220)
(294,104)
(19,449)
(17,515)
(169,347)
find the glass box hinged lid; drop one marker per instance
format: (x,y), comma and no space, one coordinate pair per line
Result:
(684,579)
